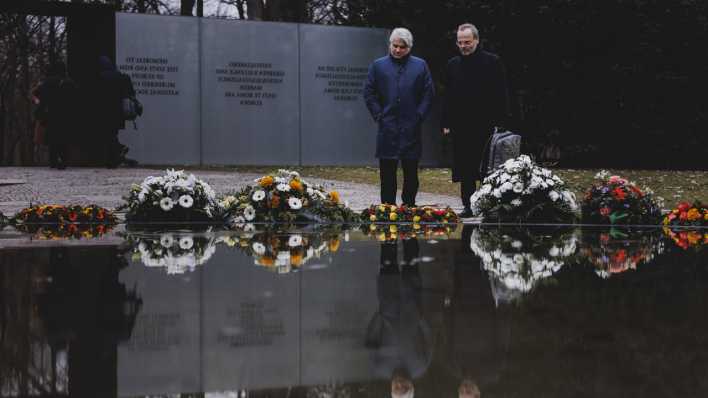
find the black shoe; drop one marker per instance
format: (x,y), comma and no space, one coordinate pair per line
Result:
(466,213)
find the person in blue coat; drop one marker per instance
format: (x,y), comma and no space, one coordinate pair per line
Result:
(399,93)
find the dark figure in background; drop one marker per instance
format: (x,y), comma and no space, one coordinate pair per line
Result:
(399,93)
(113,86)
(476,101)
(398,332)
(57,97)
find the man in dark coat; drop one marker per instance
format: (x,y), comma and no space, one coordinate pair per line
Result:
(58,100)
(399,93)
(475,102)
(113,86)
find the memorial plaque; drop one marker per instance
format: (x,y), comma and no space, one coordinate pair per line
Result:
(250,107)
(336,126)
(161,54)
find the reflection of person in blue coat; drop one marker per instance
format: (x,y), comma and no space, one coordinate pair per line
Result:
(398,333)
(399,93)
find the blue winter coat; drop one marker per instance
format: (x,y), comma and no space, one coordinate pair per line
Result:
(399,94)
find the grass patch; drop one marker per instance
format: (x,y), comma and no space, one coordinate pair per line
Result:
(673,186)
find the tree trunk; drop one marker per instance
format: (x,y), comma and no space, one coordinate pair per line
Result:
(255,9)
(240,9)
(186,7)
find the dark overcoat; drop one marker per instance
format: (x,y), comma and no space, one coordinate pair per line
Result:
(399,94)
(475,101)
(110,91)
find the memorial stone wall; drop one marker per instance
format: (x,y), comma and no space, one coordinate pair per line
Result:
(225,92)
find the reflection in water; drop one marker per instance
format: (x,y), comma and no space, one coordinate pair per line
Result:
(398,333)
(518,258)
(176,252)
(687,238)
(377,321)
(618,250)
(63,314)
(283,251)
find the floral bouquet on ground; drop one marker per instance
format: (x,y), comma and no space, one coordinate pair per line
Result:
(64,215)
(521,191)
(285,197)
(284,252)
(176,252)
(688,215)
(614,200)
(617,251)
(174,197)
(385,213)
(393,232)
(517,259)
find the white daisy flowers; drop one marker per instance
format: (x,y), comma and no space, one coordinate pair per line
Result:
(249,213)
(166,204)
(294,203)
(186,201)
(258,195)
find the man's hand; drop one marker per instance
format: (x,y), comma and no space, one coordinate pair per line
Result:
(446,131)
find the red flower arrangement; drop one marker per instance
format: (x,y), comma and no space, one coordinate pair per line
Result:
(59,214)
(686,214)
(614,200)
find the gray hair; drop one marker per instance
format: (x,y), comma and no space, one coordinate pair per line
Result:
(403,34)
(469,26)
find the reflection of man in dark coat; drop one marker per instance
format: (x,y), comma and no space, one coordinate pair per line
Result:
(475,102)
(398,332)
(399,93)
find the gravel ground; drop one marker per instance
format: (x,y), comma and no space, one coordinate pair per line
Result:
(22,186)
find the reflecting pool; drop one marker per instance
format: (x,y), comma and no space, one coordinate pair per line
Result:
(390,310)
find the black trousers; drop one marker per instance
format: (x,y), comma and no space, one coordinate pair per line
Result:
(387,174)
(467,187)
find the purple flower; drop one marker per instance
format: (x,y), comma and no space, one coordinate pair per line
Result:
(605,189)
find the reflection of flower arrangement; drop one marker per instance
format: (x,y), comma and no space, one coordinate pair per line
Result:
(519,190)
(614,200)
(687,238)
(516,259)
(616,251)
(65,231)
(403,213)
(176,252)
(174,197)
(393,232)
(284,252)
(287,198)
(58,214)
(685,214)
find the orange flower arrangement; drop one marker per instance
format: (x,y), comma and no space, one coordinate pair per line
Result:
(266,181)
(686,214)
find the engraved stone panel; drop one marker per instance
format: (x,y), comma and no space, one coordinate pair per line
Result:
(250,102)
(161,54)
